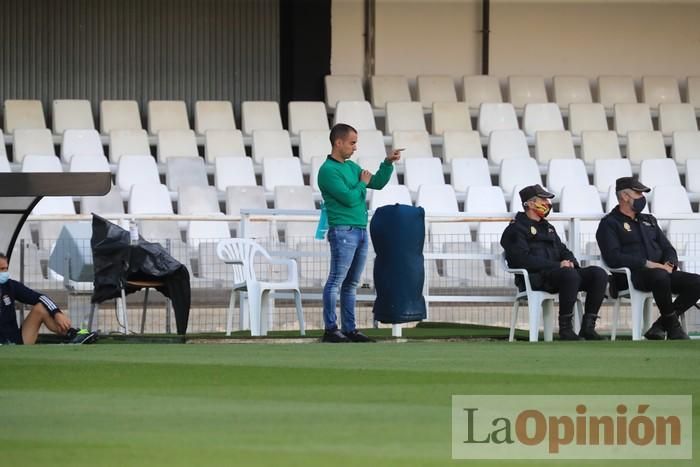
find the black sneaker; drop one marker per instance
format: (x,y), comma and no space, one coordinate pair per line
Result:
(656,332)
(82,336)
(357,336)
(334,337)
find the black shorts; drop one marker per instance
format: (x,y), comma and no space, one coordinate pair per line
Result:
(11,336)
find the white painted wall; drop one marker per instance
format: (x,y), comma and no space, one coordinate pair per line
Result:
(587,38)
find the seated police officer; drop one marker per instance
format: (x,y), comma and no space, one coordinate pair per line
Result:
(628,238)
(532,243)
(44,312)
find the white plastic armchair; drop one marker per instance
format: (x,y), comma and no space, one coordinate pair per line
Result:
(540,306)
(240,253)
(640,303)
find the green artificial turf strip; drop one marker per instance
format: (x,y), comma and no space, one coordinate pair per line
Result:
(305,405)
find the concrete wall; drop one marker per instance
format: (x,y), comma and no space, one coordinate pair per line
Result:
(587,38)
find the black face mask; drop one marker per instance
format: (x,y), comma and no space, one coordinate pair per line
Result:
(639,204)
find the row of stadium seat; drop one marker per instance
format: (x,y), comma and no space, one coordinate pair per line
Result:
(521,90)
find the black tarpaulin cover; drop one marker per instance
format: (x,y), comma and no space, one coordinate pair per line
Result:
(116,261)
(398,233)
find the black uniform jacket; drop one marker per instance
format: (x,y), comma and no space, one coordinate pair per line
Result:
(627,242)
(536,247)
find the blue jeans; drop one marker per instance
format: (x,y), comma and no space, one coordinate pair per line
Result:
(348,257)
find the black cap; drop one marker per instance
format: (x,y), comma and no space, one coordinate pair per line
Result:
(630,183)
(531,191)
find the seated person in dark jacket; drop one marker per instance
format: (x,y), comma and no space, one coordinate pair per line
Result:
(44,311)
(628,238)
(532,243)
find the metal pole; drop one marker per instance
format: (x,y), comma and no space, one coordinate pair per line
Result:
(370,14)
(485,31)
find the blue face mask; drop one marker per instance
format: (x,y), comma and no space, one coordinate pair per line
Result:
(4,277)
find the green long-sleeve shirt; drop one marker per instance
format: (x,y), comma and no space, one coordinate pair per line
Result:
(344,194)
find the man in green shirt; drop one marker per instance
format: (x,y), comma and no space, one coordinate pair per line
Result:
(344,186)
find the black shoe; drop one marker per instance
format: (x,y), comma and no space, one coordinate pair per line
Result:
(656,332)
(356,336)
(568,334)
(334,336)
(673,327)
(588,328)
(81,336)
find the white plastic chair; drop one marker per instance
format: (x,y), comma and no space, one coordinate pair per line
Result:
(461,144)
(643,145)
(32,163)
(551,145)
(370,143)
(658,90)
(307,115)
(415,143)
(693,86)
(677,117)
(641,304)
(119,115)
(271,143)
(72,114)
(480,89)
(565,172)
(606,171)
(223,143)
(135,170)
(653,172)
(540,307)
(423,171)
(390,194)
(241,254)
(343,88)
(507,144)
(185,171)
(281,171)
(312,144)
(598,145)
(81,142)
(632,117)
(260,115)
(450,116)
(542,117)
(571,90)
(26,114)
(523,90)
(36,142)
(468,172)
(496,116)
(233,171)
(388,88)
(357,114)
(685,146)
(616,90)
(176,143)
(133,142)
(213,115)
(83,163)
(167,115)
(435,89)
(520,171)
(587,117)
(402,116)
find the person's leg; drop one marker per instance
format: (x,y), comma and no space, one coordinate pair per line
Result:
(348,291)
(567,281)
(342,254)
(32,323)
(658,282)
(687,286)
(593,282)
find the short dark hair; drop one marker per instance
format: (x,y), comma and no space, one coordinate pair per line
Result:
(340,131)
(3,256)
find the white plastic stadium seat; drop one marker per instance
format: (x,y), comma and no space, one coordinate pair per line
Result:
(370,143)
(372,164)
(314,143)
(390,194)
(542,117)
(524,90)
(435,88)
(458,144)
(305,115)
(281,171)
(580,200)
(223,143)
(357,114)
(669,200)
(119,115)
(32,142)
(645,145)
(496,117)
(587,117)
(404,116)
(450,116)
(423,171)
(185,171)
(507,144)
(480,89)
(660,90)
(388,88)
(213,115)
(136,169)
(271,143)
(571,90)
(298,198)
(677,117)
(72,114)
(686,145)
(468,172)
(414,143)
(167,115)
(606,171)
(518,171)
(249,197)
(565,172)
(24,114)
(632,117)
(33,163)
(233,171)
(343,88)
(85,163)
(597,145)
(128,143)
(81,143)
(654,172)
(441,200)
(553,145)
(616,90)
(260,115)
(176,143)
(693,87)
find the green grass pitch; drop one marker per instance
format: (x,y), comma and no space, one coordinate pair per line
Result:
(296,404)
